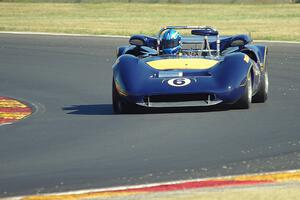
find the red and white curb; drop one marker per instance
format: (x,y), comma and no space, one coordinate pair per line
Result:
(220,182)
(12,110)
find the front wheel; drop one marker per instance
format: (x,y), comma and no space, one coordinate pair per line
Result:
(245,101)
(119,105)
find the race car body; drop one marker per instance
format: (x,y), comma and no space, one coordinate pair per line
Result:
(224,70)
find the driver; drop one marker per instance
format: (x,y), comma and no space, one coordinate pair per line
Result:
(171,42)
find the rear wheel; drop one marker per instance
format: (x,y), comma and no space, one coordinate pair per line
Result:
(245,101)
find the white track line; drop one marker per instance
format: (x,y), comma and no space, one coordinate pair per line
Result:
(63,34)
(12,198)
(5,124)
(277,41)
(109,189)
(116,36)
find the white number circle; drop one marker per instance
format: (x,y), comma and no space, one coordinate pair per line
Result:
(179,82)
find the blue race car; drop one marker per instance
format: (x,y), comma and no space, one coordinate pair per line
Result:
(201,69)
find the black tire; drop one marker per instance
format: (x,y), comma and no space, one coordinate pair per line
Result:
(262,94)
(119,105)
(245,101)
(115,99)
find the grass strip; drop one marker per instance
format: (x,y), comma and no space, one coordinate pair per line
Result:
(263,21)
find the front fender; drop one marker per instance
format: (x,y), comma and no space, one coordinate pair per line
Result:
(233,70)
(231,75)
(130,72)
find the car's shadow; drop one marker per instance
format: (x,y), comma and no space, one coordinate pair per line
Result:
(106,109)
(97,109)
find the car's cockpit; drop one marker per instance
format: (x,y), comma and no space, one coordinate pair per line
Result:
(203,41)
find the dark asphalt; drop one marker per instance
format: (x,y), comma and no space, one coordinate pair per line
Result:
(73,141)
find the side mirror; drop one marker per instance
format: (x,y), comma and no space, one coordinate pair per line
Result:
(137,40)
(143,40)
(237,43)
(240,40)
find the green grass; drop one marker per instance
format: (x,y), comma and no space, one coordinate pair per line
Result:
(157,1)
(263,21)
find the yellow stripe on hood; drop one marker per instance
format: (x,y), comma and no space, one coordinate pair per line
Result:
(184,63)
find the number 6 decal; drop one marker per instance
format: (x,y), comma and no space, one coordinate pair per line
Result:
(179,82)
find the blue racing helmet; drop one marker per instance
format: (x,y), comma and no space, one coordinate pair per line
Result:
(170,42)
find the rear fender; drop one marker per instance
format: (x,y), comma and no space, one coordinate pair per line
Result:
(229,41)
(262,53)
(258,53)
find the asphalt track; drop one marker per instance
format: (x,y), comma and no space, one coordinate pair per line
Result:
(73,141)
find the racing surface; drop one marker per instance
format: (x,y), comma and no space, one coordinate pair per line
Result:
(73,141)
